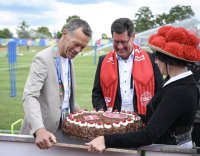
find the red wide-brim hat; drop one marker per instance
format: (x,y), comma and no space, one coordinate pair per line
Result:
(176,42)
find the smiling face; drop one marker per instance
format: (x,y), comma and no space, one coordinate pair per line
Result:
(72,44)
(122,44)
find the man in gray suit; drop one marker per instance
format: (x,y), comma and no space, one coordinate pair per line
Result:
(50,88)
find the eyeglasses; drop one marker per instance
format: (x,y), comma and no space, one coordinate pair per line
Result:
(124,43)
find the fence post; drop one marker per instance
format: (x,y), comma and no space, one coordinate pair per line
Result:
(95,52)
(12,67)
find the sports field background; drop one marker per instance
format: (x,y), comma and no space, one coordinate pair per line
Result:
(11,108)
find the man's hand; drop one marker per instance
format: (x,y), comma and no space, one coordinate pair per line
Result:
(97,145)
(44,139)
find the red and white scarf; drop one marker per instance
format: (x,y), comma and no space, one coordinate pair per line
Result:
(142,73)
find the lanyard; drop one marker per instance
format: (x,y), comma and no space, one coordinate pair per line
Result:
(66,76)
(58,68)
(65,111)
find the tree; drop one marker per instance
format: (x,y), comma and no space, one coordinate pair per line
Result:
(69,19)
(59,33)
(144,19)
(5,33)
(162,19)
(179,13)
(22,30)
(104,36)
(43,32)
(176,13)
(72,17)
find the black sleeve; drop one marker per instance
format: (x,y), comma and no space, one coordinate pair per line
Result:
(98,101)
(195,68)
(157,75)
(161,120)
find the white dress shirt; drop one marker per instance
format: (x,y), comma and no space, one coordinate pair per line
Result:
(66,82)
(126,88)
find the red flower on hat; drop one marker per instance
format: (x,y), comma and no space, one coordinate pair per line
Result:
(184,30)
(163,30)
(152,37)
(176,35)
(158,41)
(192,40)
(176,42)
(198,54)
(174,48)
(190,53)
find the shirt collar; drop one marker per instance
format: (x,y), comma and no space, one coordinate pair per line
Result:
(129,58)
(177,77)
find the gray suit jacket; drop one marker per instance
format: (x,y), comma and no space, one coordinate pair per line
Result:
(41,100)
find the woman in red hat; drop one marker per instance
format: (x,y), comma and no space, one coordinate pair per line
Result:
(195,68)
(171,112)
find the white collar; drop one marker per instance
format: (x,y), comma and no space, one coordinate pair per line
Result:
(177,77)
(129,58)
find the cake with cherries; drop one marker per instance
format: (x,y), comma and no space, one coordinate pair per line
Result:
(90,124)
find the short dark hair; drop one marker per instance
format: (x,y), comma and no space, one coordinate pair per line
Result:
(121,25)
(77,23)
(170,60)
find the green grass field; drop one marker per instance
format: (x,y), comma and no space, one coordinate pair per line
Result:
(11,107)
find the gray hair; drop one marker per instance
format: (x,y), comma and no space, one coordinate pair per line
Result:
(77,23)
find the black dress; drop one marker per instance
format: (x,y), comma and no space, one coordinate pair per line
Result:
(171,110)
(195,68)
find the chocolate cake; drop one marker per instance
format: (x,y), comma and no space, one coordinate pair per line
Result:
(90,124)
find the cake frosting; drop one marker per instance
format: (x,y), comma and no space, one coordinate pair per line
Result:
(90,124)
